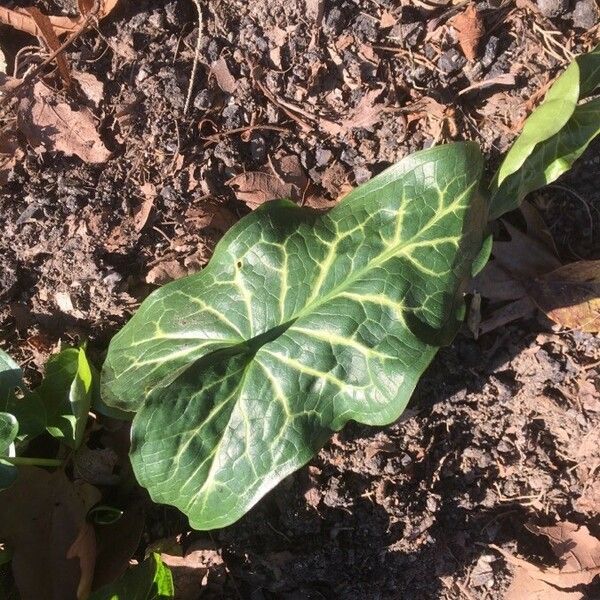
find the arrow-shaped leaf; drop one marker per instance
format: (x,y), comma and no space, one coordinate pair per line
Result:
(66,393)
(300,323)
(556,133)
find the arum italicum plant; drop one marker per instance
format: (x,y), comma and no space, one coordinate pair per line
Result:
(303,321)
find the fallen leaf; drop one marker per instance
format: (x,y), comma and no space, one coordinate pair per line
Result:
(286,180)
(49,36)
(315,10)
(43,520)
(211,214)
(91,86)
(191,571)
(335,181)
(387,19)
(515,264)
(570,295)
(367,112)
(469,30)
(165,271)
(21,19)
(51,125)
(64,302)
(578,553)
(225,80)
(142,213)
(573,545)
(255,188)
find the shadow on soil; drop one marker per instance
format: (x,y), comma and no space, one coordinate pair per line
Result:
(374,534)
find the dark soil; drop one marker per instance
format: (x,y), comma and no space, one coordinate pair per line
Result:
(501,429)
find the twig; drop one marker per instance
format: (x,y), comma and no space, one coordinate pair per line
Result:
(215,137)
(29,77)
(196,59)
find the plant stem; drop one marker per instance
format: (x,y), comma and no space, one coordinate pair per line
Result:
(196,59)
(37,462)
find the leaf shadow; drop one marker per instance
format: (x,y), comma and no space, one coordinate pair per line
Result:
(383,525)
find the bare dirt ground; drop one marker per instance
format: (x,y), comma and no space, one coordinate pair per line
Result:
(503,431)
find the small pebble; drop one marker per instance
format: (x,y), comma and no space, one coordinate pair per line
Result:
(586,14)
(553,8)
(451,62)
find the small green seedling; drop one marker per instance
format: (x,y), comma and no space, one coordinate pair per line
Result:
(303,321)
(150,580)
(60,406)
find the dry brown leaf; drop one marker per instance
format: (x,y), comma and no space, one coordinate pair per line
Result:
(51,125)
(335,181)
(515,264)
(367,112)
(165,271)
(48,34)
(20,19)
(255,188)
(91,86)
(573,545)
(469,29)
(191,571)
(211,214)
(578,553)
(286,180)
(142,213)
(225,80)
(523,255)
(315,10)
(43,519)
(387,19)
(570,295)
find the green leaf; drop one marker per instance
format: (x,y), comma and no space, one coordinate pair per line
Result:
(105,515)
(150,580)
(301,322)
(550,159)
(9,428)
(98,404)
(553,137)
(11,377)
(28,410)
(66,394)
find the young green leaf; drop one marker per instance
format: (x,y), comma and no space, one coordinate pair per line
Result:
(300,323)
(550,159)
(150,580)
(11,377)
(66,394)
(28,410)
(9,429)
(553,137)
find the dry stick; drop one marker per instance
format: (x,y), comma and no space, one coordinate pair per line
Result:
(196,59)
(27,79)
